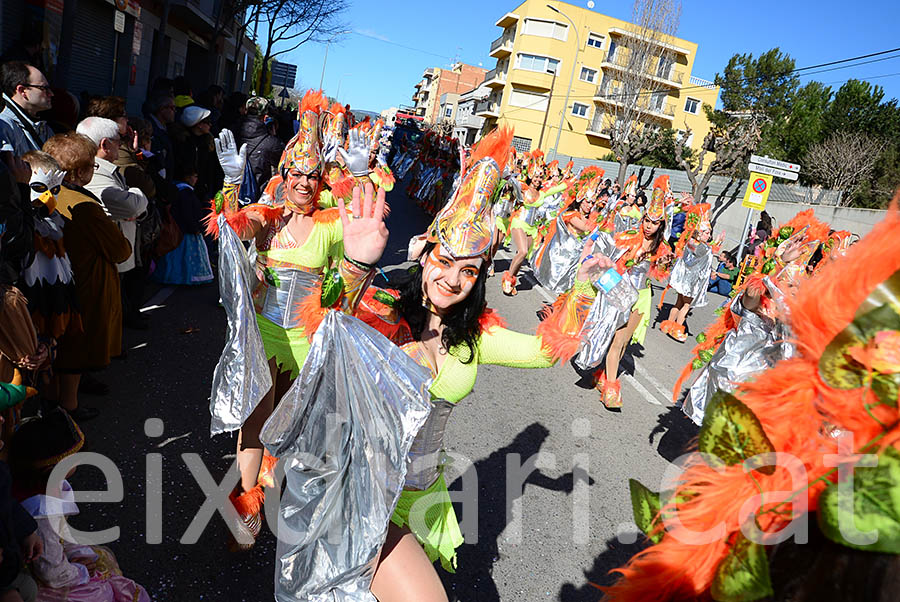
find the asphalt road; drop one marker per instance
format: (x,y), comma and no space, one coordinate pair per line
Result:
(549,539)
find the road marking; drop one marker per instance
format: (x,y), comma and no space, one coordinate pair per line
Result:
(666,395)
(647,395)
(157,300)
(547,295)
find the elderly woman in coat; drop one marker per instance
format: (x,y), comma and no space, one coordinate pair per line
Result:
(95,246)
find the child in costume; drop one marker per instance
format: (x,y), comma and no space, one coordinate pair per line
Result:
(65,571)
(836,402)
(298,245)
(597,329)
(752,333)
(692,270)
(188,263)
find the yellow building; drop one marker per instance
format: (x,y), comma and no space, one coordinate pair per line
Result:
(535,54)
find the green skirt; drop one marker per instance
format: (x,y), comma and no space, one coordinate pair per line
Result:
(289,347)
(519,223)
(431,519)
(642,306)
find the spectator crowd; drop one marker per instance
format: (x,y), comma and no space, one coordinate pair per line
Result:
(95,203)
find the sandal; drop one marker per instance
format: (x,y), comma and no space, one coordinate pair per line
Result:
(612,395)
(249,518)
(508,284)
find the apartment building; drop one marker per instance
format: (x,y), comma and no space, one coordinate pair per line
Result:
(436,82)
(535,54)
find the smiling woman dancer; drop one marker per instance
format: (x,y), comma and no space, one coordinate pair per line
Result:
(296,243)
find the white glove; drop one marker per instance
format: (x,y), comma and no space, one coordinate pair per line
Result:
(356,157)
(330,145)
(231,160)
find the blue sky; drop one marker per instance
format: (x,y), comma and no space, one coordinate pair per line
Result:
(394,41)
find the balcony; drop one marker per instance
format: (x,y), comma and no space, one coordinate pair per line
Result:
(598,127)
(620,62)
(502,47)
(469,121)
(495,78)
(487,108)
(428,72)
(617,31)
(507,20)
(532,79)
(610,95)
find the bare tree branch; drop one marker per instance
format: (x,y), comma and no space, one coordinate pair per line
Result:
(732,145)
(843,161)
(635,93)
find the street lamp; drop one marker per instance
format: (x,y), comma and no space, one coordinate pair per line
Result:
(562,117)
(327,44)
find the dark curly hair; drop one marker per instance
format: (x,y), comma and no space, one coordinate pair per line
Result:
(461,322)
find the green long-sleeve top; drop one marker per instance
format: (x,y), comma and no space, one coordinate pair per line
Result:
(497,346)
(549,192)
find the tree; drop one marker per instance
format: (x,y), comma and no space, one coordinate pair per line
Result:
(858,107)
(635,93)
(763,86)
(732,144)
(291,23)
(666,153)
(843,161)
(790,138)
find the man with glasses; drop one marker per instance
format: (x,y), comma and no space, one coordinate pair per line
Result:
(26,93)
(161,113)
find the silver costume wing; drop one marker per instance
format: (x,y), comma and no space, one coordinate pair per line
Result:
(343,430)
(690,274)
(555,268)
(241,377)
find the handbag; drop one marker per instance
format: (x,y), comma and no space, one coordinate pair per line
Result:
(150,225)
(170,235)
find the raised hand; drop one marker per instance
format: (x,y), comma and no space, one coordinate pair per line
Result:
(365,235)
(356,156)
(230,158)
(330,145)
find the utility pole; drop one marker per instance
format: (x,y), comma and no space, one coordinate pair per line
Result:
(547,112)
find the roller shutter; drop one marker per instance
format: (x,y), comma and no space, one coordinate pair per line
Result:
(93,43)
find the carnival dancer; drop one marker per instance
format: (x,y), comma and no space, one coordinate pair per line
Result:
(692,270)
(598,329)
(523,227)
(831,401)
(555,260)
(753,333)
(449,331)
(297,243)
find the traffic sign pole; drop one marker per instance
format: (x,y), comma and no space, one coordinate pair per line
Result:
(746,234)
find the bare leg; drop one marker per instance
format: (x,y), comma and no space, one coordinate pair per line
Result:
(673,313)
(68,391)
(619,342)
(681,316)
(249,447)
(523,243)
(404,573)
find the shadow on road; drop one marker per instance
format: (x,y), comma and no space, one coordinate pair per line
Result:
(678,432)
(615,555)
(473,581)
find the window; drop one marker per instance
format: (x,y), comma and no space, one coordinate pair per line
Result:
(595,40)
(658,101)
(541,64)
(685,141)
(588,75)
(448,111)
(612,51)
(522,145)
(546,29)
(579,109)
(692,106)
(528,100)
(664,68)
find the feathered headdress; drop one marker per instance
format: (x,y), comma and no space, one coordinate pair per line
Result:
(656,210)
(465,228)
(303,152)
(630,186)
(844,380)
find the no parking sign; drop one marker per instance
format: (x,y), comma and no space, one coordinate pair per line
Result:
(757,191)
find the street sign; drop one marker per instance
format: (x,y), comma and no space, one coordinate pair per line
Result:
(757,191)
(284,93)
(773,171)
(283,74)
(760,160)
(119,22)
